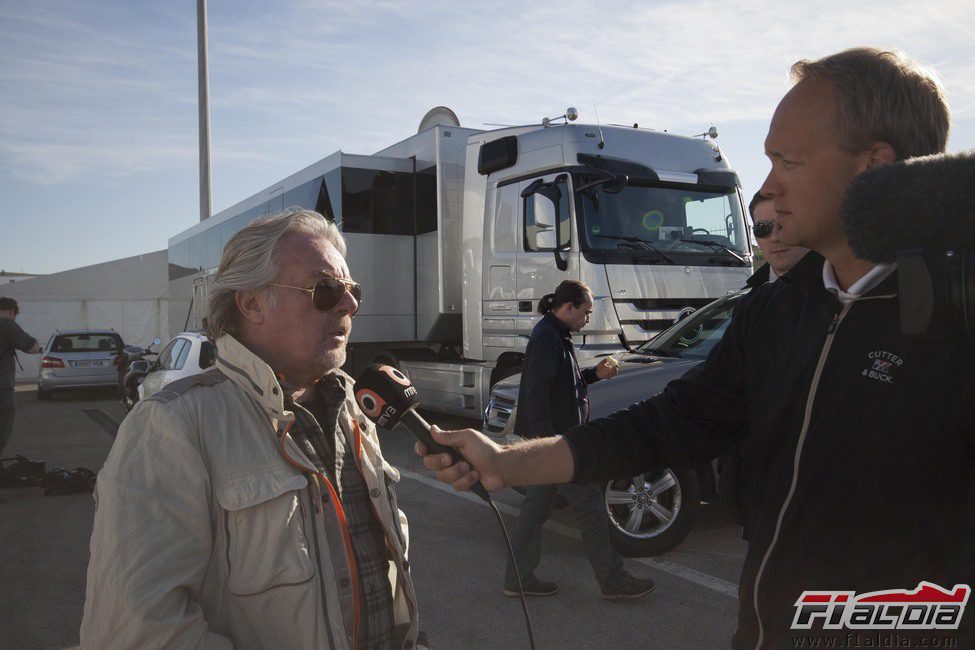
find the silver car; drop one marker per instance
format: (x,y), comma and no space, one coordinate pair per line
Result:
(78,359)
(189,353)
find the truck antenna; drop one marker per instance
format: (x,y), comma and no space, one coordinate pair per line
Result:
(602,143)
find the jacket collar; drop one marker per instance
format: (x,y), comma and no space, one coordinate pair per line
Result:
(862,287)
(553,321)
(759,277)
(808,274)
(251,373)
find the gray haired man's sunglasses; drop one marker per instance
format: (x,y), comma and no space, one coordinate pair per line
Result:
(327,292)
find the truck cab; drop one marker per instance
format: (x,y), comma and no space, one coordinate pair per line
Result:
(651,222)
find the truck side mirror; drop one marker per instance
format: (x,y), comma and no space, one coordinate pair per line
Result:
(545,240)
(545,198)
(546,212)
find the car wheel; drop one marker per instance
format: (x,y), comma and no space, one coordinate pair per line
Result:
(650,514)
(44,395)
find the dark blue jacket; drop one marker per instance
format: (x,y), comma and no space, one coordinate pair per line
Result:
(550,391)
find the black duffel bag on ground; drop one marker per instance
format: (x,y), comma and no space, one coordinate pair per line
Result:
(68,481)
(21,472)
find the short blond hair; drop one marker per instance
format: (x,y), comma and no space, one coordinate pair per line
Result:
(250,262)
(883,96)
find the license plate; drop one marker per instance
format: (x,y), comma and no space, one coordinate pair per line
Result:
(87,364)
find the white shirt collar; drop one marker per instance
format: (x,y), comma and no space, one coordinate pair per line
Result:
(772,275)
(873,277)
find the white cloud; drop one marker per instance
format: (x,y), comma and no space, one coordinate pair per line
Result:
(109,88)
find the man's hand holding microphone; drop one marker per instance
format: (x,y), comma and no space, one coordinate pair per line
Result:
(540,461)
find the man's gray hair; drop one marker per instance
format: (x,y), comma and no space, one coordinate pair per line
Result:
(250,262)
(883,96)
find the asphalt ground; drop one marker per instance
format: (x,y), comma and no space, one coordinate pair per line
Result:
(457,554)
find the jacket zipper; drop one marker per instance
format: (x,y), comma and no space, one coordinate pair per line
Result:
(807,417)
(318,562)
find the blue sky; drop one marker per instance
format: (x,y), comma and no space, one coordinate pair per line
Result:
(98,131)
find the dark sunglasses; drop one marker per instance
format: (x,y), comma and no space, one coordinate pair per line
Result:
(328,292)
(763,229)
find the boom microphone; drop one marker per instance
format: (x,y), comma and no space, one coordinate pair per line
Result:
(925,202)
(388,398)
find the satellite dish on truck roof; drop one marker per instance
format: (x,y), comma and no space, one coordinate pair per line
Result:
(438,115)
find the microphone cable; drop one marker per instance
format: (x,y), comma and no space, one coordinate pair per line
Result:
(514,563)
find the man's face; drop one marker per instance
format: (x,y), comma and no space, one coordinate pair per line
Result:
(577,317)
(810,173)
(306,343)
(779,256)
(8,313)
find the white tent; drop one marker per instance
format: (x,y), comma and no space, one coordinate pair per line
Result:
(130,295)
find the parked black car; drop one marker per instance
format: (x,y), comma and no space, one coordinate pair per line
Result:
(649,513)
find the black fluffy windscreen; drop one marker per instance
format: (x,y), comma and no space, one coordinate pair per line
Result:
(921,202)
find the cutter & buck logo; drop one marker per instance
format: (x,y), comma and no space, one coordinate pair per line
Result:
(929,607)
(881,366)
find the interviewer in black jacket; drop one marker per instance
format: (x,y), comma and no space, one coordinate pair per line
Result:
(551,398)
(860,444)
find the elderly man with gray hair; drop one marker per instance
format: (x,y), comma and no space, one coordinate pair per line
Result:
(250,506)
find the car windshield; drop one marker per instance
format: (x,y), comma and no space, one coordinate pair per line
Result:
(663,218)
(694,336)
(87,343)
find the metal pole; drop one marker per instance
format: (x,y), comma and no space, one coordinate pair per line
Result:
(201,57)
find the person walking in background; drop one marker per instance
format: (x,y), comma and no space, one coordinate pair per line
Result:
(12,338)
(552,397)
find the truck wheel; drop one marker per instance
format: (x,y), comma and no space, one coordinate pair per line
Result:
(650,514)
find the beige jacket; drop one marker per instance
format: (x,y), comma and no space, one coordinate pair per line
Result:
(213,530)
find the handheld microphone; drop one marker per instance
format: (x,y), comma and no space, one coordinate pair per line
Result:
(924,202)
(388,398)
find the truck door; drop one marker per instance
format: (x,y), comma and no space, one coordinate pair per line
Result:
(500,306)
(548,253)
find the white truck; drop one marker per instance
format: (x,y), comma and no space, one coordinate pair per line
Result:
(456,233)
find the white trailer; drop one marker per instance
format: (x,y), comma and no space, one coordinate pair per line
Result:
(456,233)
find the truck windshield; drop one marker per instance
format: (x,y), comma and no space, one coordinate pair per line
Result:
(664,222)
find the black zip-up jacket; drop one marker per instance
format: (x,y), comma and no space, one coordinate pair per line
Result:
(548,398)
(858,448)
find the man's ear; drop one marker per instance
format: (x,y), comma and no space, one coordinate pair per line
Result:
(880,153)
(252,305)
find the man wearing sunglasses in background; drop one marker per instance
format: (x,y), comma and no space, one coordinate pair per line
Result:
(779,257)
(250,506)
